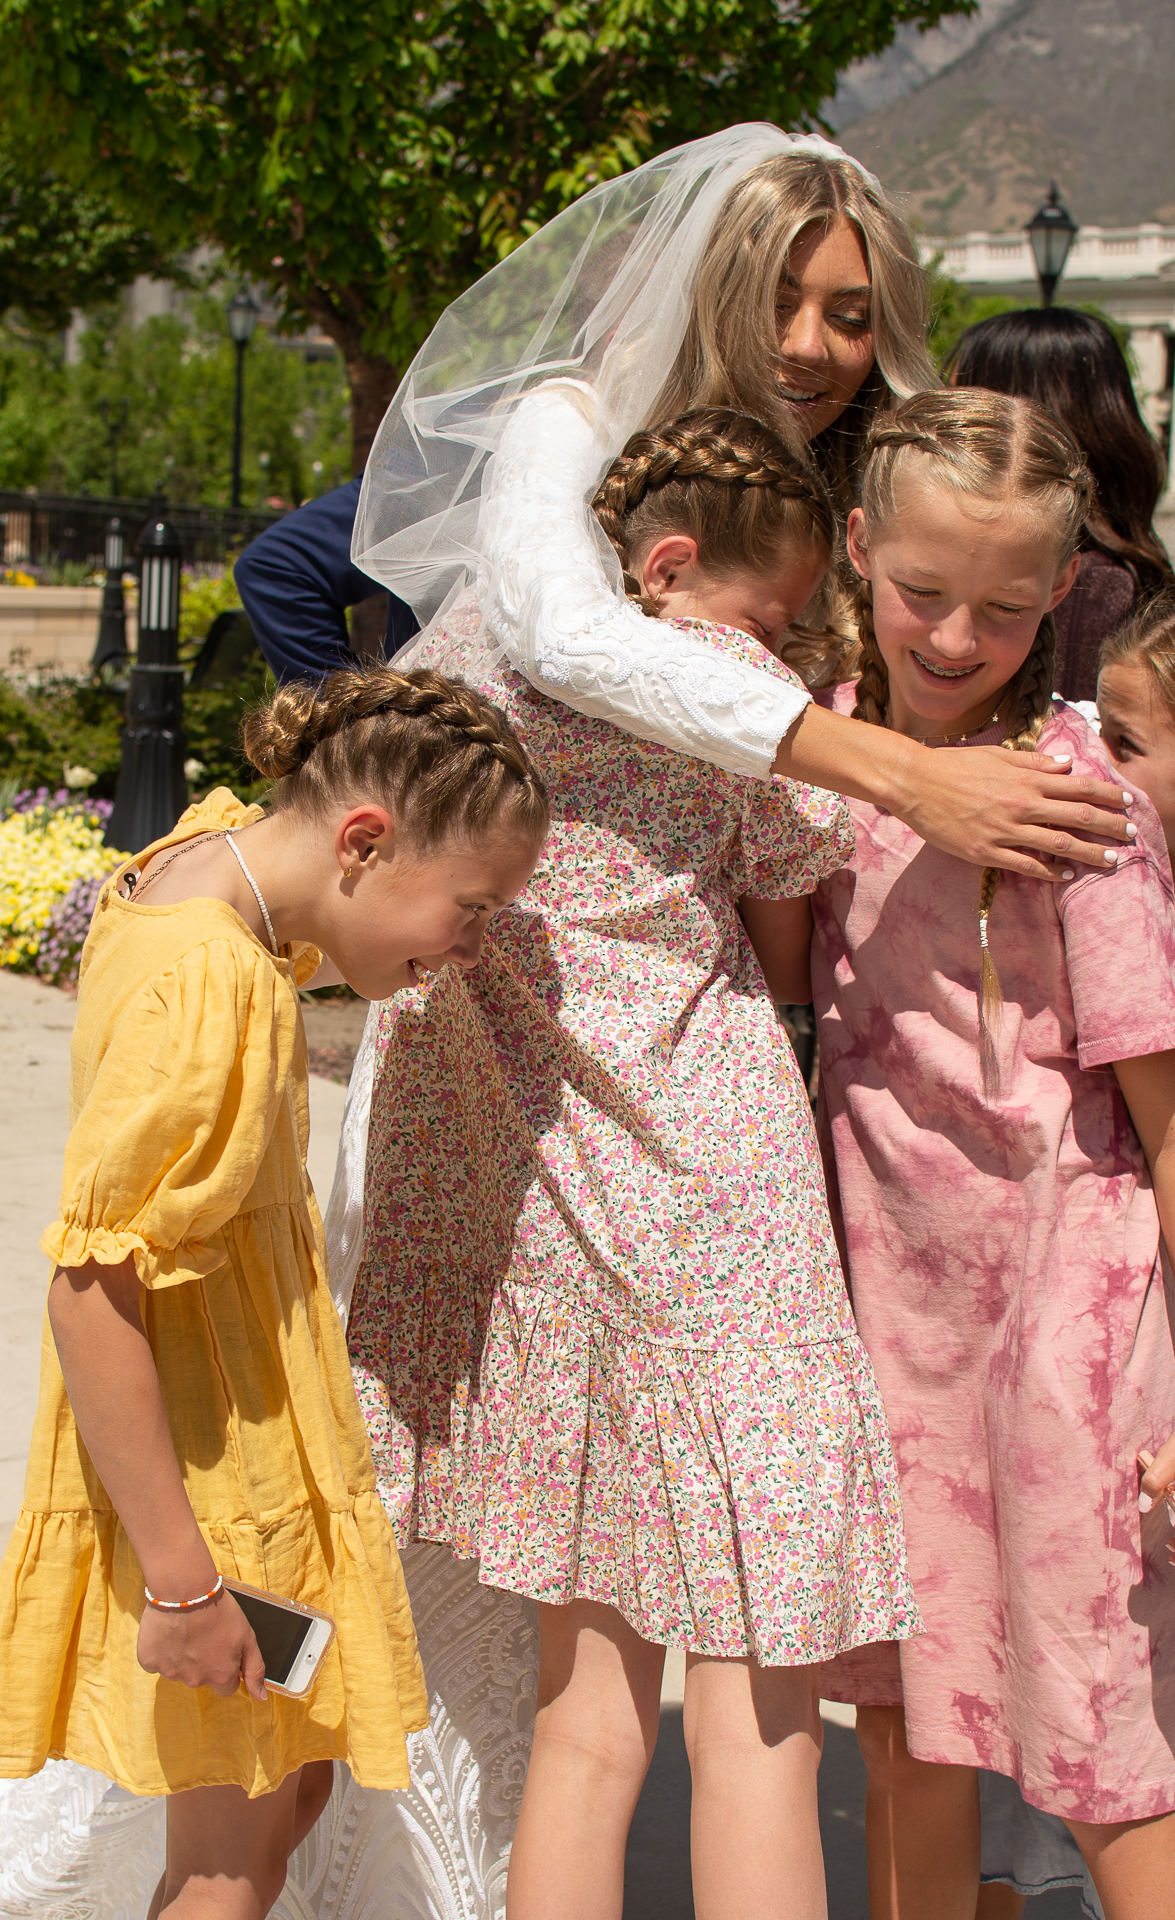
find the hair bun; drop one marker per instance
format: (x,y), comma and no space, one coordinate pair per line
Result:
(280,737)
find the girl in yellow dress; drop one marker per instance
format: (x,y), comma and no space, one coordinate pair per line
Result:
(197,1419)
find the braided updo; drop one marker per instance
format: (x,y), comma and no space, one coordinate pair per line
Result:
(436,753)
(994,450)
(731,485)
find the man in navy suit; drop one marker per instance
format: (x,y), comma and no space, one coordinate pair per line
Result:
(296,581)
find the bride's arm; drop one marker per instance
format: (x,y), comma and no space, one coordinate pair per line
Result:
(548,603)
(1020,811)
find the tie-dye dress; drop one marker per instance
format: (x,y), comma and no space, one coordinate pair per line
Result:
(1004,1265)
(600,1333)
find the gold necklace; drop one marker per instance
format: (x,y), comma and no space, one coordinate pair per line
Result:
(956,739)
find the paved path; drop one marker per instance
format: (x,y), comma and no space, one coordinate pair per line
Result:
(35,1027)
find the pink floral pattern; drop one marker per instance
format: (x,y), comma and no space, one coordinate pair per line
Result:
(600,1335)
(1003,1258)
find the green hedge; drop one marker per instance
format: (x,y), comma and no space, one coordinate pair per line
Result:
(50,721)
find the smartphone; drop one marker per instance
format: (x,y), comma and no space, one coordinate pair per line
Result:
(292,1639)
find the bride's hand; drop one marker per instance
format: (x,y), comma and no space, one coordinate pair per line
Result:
(1021,811)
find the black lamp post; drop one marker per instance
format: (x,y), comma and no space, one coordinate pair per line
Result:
(242,311)
(152,792)
(1051,233)
(114,416)
(111,644)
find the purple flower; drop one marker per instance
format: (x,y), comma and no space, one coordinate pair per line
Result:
(69,923)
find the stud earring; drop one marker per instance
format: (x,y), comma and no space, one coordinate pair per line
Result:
(349,872)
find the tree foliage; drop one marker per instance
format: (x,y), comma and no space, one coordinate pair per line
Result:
(374,160)
(63,247)
(955,307)
(168,383)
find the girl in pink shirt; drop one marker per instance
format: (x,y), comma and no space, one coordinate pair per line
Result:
(998,1080)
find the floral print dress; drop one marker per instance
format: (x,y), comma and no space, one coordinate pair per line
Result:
(600,1334)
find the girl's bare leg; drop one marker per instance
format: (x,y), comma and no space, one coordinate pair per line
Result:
(227,1855)
(921,1827)
(595,1730)
(998,1902)
(753,1735)
(1132,1865)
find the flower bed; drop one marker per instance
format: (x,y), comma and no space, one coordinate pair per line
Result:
(52,865)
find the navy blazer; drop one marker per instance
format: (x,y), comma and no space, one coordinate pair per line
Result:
(296,581)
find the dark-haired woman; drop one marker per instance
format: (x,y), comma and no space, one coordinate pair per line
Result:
(1071,363)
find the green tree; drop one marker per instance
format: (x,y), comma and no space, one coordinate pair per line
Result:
(372,161)
(32,393)
(955,307)
(171,378)
(63,247)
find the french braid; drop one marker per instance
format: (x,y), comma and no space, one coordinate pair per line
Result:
(872,701)
(439,754)
(728,482)
(988,447)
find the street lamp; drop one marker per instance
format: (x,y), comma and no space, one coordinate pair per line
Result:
(1051,232)
(114,416)
(152,791)
(242,311)
(111,644)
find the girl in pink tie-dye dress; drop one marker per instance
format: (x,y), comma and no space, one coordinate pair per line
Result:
(998,1085)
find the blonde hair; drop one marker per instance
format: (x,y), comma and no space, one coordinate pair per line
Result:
(436,753)
(984,447)
(1148,638)
(730,354)
(732,485)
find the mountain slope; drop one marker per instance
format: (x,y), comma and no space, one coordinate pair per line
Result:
(1080,91)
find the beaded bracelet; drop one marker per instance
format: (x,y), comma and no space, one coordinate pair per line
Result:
(182,1606)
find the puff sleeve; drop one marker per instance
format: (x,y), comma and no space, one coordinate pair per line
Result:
(173,1119)
(791,836)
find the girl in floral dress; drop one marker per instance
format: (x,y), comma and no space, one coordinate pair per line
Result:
(600,1333)
(998,1080)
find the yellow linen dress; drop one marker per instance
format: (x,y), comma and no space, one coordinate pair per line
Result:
(188,1150)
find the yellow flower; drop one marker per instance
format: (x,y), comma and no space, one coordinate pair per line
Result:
(41,855)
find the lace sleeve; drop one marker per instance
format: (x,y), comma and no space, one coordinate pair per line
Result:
(548,602)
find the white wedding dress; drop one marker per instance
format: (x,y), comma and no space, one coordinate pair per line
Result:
(75,1847)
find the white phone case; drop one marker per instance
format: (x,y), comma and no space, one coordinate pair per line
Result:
(310,1654)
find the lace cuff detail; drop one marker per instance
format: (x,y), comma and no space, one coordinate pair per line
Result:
(548,602)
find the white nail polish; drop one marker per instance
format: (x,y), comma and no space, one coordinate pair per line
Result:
(1131,830)
(1127,799)
(1111,857)
(1067,873)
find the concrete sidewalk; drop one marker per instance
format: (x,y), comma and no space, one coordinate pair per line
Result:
(36,1023)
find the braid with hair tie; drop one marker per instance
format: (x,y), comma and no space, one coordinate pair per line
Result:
(650,489)
(438,753)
